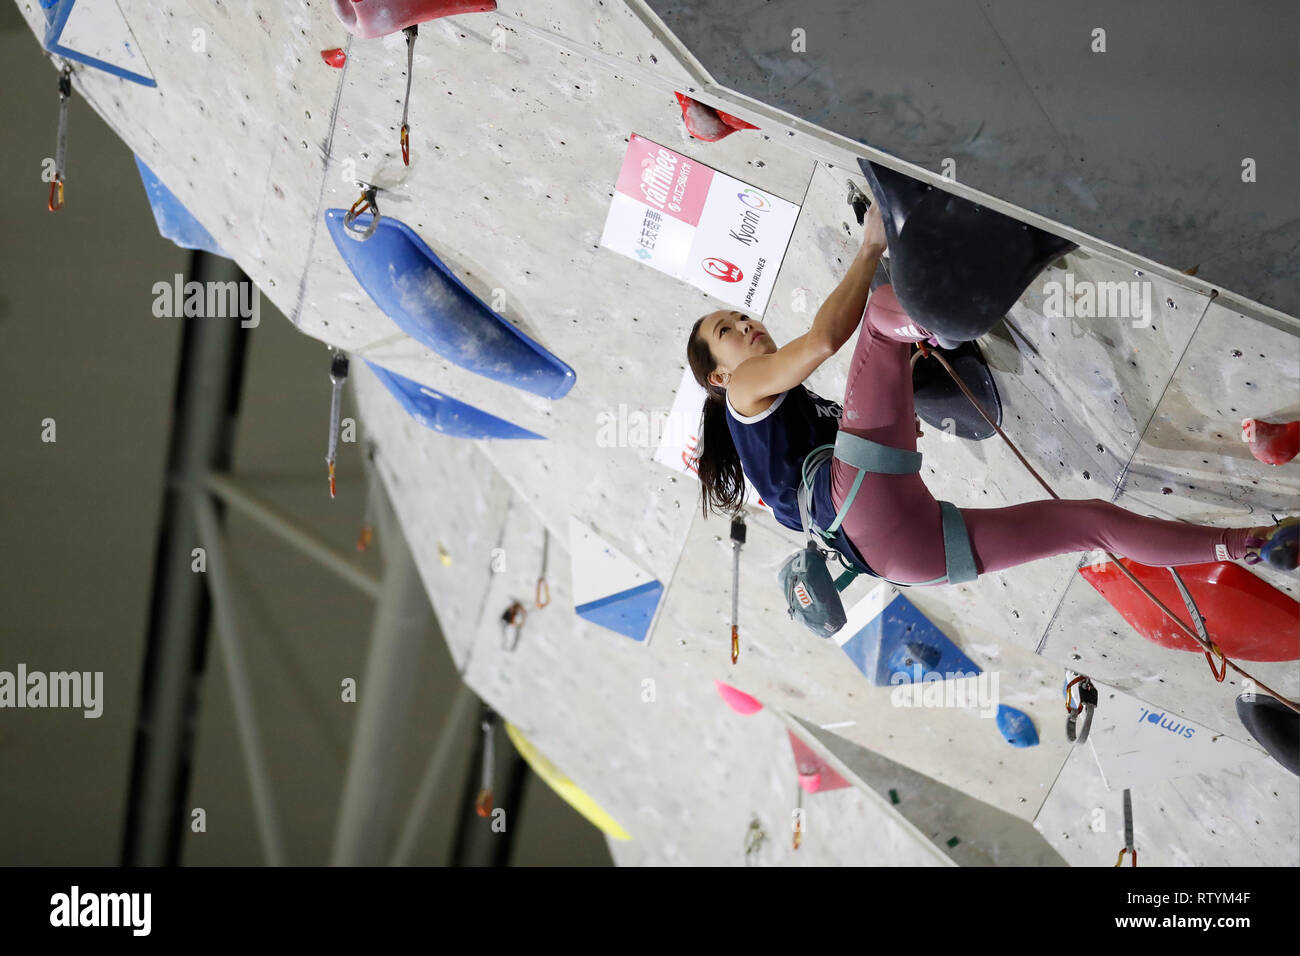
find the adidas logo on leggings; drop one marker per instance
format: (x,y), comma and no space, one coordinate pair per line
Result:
(910,330)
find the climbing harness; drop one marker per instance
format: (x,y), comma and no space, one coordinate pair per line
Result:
(411,33)
(512,623)
(1128,833)
(338,375)
(805,578)
(61,146)
(542,585)
(368,201)
(737,539)
(1087,704)
(483,805)
(1207,645)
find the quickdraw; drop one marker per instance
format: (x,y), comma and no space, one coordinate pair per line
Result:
(338,375)
(368,201)
(61,145)
(1128,832)
(483,805)
(1088,700)
(737,539)
(411,33)
(513,620)
(542,585)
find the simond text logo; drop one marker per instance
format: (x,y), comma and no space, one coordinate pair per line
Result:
(1172,727)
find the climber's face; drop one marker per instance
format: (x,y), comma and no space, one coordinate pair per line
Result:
(734,337)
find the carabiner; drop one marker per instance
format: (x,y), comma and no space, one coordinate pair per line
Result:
(1218,674)
(370,201)
(537,597)
(57,184)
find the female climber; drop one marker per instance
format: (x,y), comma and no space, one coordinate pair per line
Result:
(760,421)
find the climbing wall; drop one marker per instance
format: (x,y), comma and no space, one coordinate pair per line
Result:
(519,123)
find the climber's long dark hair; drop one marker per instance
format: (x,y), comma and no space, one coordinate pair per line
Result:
(722,480)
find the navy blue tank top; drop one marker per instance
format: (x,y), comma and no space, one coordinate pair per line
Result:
(772,446)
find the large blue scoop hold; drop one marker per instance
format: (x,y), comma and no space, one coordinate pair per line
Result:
(426,300)
(443,413)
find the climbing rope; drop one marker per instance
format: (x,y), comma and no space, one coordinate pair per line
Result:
(61,145)
(338,375)
(737,539)
(1207,645)
(411,33)
(483,805)
(1128,832)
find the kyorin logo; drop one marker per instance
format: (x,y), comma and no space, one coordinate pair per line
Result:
(751,198)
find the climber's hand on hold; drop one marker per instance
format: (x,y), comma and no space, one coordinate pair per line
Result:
(873,243)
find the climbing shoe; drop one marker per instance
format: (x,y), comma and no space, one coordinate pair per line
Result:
(1278,549)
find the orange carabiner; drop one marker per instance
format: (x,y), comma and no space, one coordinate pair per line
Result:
(483,805)
(537,597)
(1218,674)
(735,644)
(1133,861)
(56,185)
(360,206)
(406,144)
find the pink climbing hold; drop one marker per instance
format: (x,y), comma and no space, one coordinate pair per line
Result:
(335,57)
(815,775)
(737,700)
(707,124)
(1273,443)
(377,18)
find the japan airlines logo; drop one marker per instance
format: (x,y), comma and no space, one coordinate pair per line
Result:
(722,269)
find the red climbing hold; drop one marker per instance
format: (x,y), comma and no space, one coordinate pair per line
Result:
(335,57)
(707,124)
(1273,443)
(1244,615)
(377,18)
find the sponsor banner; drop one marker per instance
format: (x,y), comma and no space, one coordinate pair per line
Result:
(721,235)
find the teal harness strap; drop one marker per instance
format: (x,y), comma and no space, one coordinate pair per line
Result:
(869,456)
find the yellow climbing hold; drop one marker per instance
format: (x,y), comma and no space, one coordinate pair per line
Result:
(565,787)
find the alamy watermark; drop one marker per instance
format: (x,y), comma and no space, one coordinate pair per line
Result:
(55,689)
(935,689)
(211,300)
(1087,299)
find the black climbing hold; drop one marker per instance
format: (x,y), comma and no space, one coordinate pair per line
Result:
(957,267)
(938,398)
(1275,726)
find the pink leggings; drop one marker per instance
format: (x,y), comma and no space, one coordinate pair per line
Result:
(895,522)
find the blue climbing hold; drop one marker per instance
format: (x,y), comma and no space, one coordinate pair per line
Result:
(902,645)
(628,612)
(429,303)
(445,414)
(175,222)
(1016,726)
